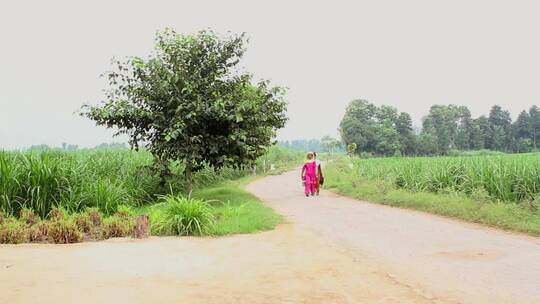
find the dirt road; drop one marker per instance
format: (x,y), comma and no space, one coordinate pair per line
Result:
(332,250)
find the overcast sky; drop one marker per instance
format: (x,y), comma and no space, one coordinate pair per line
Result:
(408,54)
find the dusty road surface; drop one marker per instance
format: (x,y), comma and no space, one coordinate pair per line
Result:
(332,250)
(449,260)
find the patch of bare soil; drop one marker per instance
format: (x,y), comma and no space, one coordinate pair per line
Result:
(281,266)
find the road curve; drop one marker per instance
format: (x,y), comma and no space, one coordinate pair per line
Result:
(450,260)
(331,250)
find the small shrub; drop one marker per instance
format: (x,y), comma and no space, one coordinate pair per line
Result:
(106,194)
(13,232)
(115,226)
(124,211)
(184,216)
(38,233)
(83,222)
(94,215)
(64,231)
(2,217)
(58,214)
(28,216)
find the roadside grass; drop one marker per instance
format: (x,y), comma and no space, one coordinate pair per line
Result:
(235,211)
(509,216)
(55,196)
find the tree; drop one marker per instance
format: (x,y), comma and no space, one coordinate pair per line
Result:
(534,114)
(387,141)
(464,129)
(357,125)
(479,133)
(521,130)
(500,137)
(373,129)
(407,137)
(451,126)
(330,144)
(351,149)
(427,141)
(190,102)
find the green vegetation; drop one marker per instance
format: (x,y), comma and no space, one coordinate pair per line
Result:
(236,210)
(179,215)
(61,227)
(190,102)
(217,210)
(501,191)
(384,131)
(104,179)
(69,196)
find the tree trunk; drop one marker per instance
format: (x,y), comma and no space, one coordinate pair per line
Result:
(164,172)
(189,178)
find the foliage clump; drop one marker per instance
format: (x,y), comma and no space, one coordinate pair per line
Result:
(116,226)
(39,232)
(13,232)
(94,215)
(190,102)
(183,216)
(28,216)
(64,231)
(57,214)
(83,222)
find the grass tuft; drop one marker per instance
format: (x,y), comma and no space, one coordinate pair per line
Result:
(13,232)
(64,231)
(116,226)
(183,216)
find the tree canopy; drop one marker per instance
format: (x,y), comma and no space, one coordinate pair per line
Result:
(382,131)
(189,101)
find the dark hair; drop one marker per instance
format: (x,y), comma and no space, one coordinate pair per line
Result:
(315,154)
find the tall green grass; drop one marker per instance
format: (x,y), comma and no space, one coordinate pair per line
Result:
(104,179)
(376,182)
(506,178)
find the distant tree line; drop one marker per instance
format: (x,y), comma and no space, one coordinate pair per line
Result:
(386,131)
(72,147)
(301,144)
(325,144)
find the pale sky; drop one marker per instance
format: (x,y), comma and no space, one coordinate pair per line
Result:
(408,54)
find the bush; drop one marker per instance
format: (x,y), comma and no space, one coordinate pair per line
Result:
(115,226)
(83,222)
(28,216)
(106,195)
(13,232)
(64,231)
(57,214)
(124,211)
(39,232)
(183,216)
(94,215)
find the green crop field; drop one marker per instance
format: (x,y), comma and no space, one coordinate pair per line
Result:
(44,191)
(497,190)
(507,178)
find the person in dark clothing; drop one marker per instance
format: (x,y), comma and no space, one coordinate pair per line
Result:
(320,178)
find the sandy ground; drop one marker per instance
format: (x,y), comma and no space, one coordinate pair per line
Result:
(332,250)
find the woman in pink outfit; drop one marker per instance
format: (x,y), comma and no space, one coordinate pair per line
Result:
(309,174)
